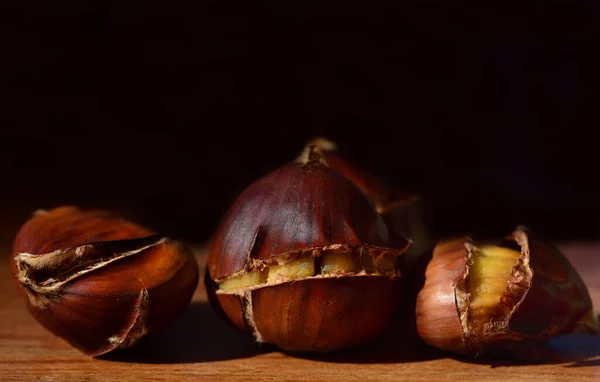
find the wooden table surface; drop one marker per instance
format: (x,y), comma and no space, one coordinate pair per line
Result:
(201,347)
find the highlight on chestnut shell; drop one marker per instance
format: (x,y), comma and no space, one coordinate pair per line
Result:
(302,260)
(99,281)
(494,299)
(401,209)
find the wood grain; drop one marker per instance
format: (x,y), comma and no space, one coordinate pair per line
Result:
(201,347)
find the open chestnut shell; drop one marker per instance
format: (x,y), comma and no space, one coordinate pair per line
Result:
(98,280)
(302,260)
(494,299)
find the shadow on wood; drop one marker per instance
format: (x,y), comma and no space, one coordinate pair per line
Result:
(199,336)
(578,349)
(572,350)
(398,344)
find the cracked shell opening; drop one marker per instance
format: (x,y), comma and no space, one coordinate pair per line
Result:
(316,264)
(488,279)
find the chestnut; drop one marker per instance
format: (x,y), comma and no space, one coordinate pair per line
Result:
(493,298)
(401,209)
(98,280)
(304,261)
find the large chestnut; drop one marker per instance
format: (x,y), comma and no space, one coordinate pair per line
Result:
(98,280)
(304,261)
(494,298)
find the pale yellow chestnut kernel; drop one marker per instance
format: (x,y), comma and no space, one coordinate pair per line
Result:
(488,278)
(296,269)
(243,281)
(338,262)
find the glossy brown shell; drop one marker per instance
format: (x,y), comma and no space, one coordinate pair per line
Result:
(557,300)
(316,315)
(437,318)
(115,304)
(69,226)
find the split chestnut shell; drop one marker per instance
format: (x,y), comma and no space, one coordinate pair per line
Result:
(470,305)
(99,281)
(303,260)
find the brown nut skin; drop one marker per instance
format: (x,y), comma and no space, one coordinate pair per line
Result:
(325,314)
(99,281)
(544,298)
(302,209)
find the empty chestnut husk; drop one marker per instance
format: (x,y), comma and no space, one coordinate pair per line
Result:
(98,280)
(303,260)
(496,298)
(401,209)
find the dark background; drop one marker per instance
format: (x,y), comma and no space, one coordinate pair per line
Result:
(167,110)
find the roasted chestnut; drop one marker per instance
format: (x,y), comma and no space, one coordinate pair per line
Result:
(304,261)
(98,280)
(493,298)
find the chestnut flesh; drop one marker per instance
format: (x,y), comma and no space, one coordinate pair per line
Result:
(303,260)
(497,299)
(98,280)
